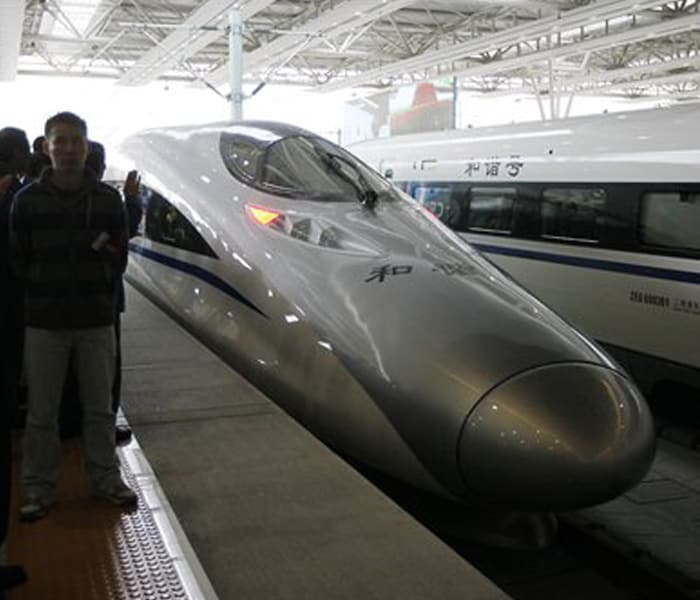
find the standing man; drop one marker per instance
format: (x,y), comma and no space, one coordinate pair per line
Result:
(68,241)
(70,415)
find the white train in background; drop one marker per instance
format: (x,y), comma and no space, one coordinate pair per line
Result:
(597,216)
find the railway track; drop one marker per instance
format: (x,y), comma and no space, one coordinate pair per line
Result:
(575,567)
(644,545)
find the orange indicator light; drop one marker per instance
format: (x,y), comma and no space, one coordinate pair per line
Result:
(262,215)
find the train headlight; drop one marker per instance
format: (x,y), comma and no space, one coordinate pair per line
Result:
(311,230)
(263,216)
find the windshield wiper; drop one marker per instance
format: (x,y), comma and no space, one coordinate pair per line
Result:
(365,192)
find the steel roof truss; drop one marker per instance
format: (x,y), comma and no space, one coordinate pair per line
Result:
(542,27)
(188,39)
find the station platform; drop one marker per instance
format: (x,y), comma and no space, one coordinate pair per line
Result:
(236,500)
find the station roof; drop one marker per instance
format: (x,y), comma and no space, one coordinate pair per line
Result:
(632,48)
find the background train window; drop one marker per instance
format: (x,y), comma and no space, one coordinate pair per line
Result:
(527,220)
(671,219)
(491,209)
(573,213)
(440,200)
(167,225)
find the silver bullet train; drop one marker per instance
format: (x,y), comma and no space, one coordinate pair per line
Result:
(599,217)
(376,326)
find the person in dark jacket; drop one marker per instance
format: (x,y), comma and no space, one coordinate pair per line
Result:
(14,156)
(68,242)
(38,160)
(134,214)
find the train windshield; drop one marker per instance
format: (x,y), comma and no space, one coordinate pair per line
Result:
(303,167)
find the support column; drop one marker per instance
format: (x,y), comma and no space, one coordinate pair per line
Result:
(552,92)
(455,101)
(235,59)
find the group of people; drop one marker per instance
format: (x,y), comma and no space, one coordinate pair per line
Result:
(63,250)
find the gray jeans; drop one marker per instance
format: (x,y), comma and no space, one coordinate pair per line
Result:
(47,353)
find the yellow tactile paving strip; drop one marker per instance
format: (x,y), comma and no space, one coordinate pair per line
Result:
(87,548)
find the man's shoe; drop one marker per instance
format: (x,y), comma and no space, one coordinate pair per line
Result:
(35,508)
(122,434)
(120,494)
(11,576)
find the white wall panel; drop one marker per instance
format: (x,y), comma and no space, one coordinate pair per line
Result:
(11,18)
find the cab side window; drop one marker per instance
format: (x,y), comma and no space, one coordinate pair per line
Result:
(165,224)
(671,220)
(241,155)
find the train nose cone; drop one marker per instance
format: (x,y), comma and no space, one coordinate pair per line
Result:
(558,437)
